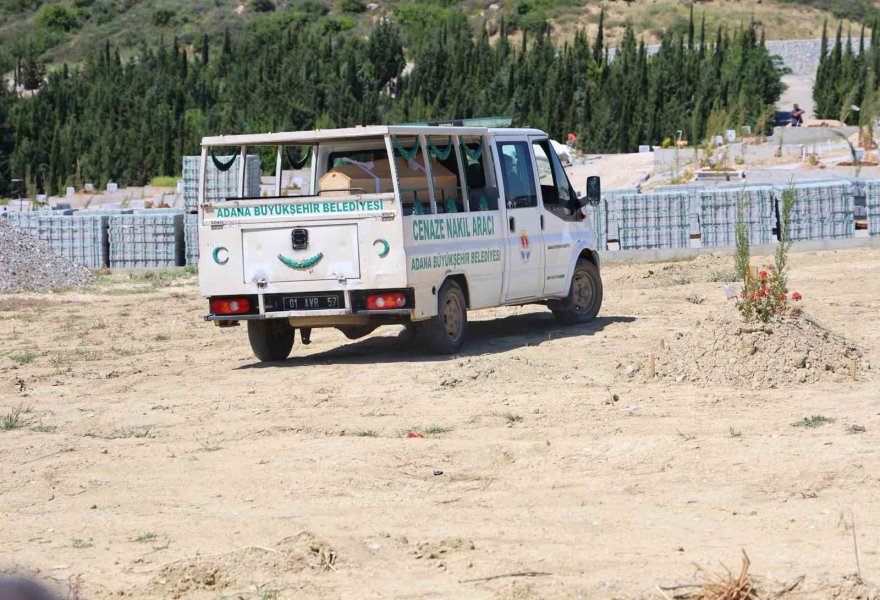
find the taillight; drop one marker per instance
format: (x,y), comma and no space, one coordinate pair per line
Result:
(386,301)
(230,306)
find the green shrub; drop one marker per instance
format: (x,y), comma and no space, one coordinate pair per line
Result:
(162,17)
(262,5)
(418,19)
(353,6)
(18,6)
(331,25)
(312,8)
(55,17)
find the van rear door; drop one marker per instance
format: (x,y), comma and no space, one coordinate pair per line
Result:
(319,239)
(301,252)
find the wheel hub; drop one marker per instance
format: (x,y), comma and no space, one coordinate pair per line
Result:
(583,292)
(452,317)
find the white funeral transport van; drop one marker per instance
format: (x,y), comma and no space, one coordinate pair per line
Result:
(412,225)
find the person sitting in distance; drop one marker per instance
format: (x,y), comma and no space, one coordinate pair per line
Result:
(797,116)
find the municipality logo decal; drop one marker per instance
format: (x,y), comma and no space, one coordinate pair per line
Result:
(525,250)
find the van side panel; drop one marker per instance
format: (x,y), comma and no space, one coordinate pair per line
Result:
(437,246)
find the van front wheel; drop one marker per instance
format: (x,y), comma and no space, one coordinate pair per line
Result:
(271,339)
(444,334)
(584,297)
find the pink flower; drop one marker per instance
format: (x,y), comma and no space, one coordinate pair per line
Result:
(763,292)
(784,297)
(762,274)
(796,296)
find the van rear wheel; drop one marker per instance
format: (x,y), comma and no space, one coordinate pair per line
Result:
(444,334)
(584,297)
(271,339)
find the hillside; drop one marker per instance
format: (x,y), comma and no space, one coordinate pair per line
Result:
(63,31)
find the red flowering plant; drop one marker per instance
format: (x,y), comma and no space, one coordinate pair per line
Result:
(765,296)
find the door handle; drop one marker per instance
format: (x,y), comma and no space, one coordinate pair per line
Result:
(542,222)
(512,225)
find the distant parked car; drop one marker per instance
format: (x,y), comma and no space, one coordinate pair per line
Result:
(782,119)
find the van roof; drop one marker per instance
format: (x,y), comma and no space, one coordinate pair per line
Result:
(320,135)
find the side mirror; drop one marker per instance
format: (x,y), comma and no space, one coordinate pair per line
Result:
(594,191)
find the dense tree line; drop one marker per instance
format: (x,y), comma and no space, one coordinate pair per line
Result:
(848,77)
(614,103)
(128,120)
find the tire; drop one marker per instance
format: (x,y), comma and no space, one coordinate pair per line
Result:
(584,296)
(271,339)
(444,334)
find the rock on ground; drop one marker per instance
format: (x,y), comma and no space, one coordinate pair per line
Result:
(28,264)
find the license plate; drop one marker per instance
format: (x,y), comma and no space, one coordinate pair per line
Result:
(314,302)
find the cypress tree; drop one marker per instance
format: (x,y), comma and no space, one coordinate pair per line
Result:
(599,45)
(206,50)
(690,38)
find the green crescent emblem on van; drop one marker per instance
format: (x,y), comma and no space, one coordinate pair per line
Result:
(301,264)
(217,258)
(386,247)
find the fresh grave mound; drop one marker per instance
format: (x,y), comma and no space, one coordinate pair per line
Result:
(724,349)
(26,263)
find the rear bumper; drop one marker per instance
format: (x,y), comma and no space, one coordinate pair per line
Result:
(307,314)
(268,306)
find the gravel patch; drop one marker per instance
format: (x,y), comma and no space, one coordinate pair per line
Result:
(26,263)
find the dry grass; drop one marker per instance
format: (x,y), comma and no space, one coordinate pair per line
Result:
(717,586)
(14,303)
(725,586)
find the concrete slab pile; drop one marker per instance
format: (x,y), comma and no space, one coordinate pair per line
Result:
(146,241)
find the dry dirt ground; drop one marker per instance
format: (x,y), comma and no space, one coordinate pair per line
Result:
(156,458)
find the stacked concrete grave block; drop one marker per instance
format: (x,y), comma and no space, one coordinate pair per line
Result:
(655,220)
(694,210)
(146,240)
(859,190)
(612,211)
(872,206)
(720,213)
(821,211)
(191,237)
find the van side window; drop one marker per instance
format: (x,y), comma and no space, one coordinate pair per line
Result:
(556,191)
(482,194)
(444,170)
(412,176)
(516,170)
